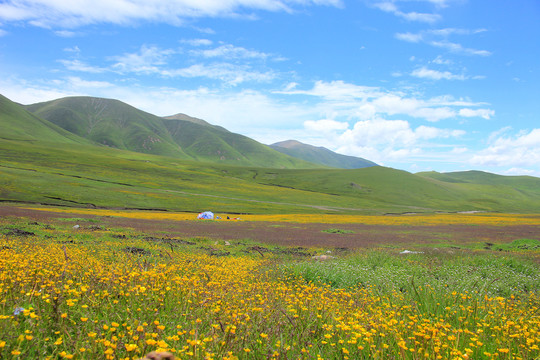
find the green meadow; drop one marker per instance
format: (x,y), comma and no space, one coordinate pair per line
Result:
(90,176)
(91,291)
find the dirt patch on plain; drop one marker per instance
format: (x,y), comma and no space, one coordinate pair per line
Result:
(295,234)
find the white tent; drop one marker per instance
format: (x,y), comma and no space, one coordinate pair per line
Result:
(206,215)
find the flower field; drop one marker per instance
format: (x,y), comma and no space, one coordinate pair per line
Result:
(93,293)
(417,219)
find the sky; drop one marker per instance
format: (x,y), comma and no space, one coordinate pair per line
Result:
(417,85)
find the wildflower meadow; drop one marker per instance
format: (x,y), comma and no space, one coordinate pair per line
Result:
(90,292)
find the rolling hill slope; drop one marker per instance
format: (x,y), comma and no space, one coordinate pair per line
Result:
(118,125)
(90,176)
(320,155)
(205,142)
(111,123)
(42,163)
(18,124)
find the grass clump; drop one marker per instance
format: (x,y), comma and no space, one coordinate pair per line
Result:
(338,231)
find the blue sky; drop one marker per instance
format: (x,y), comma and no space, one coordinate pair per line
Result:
(418,85)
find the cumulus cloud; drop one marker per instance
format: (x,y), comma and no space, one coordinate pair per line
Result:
(393,133)
(71,14)
(325,125)
(365,102)
(385,141)
(516,150)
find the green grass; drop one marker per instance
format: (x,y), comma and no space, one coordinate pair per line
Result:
(119,125)
(86,175)
(481,273)
(42,163)
(518,245)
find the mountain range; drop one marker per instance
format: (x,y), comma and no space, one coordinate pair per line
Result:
(83,151)
(320,155)
(119,125)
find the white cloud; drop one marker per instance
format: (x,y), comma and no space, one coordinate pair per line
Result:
(459,49)
(66,33)
(77,65)
(426,73)
(392,133)
(521,171)
(228,73)
(409,37)
(71,14)
(365,102)
(483,113)
(337,90)
(440,61)
(459,150)
(325,125)
(439,38)
(229,51)
(151,60)
(387,141)
(198,42)
(147,60)
(520,150)
(421,17)
(74,82)
(390,7)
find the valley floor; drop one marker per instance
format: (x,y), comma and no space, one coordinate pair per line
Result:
(369,231)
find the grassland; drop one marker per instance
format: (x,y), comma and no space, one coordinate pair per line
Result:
(88,176)
(41,162)
(114,123)
(89,291)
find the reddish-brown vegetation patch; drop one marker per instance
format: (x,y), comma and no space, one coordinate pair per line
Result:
(304,234)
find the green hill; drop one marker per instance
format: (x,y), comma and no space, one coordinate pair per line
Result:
(18,124)
(42,163)
(210,143)
(111,123)
(119,125)
(320,155)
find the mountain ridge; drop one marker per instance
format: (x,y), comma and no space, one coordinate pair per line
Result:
(43,163)
(320,154)
(116,124)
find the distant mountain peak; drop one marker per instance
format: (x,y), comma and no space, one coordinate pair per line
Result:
(320,155)
(288,144)
(184,117)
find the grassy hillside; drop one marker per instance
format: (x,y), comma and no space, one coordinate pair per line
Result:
(110,122)
(87,175)
(18,124)
(482,186)
(42,163)
(118,125)
(320,155)
(215,144)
